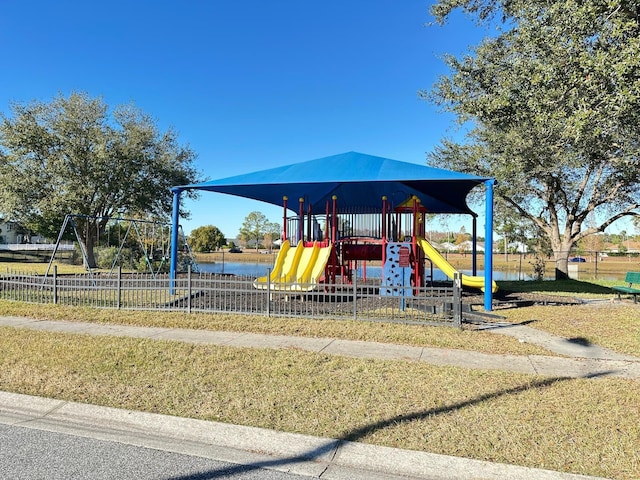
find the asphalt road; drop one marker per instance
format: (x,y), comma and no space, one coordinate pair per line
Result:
(27,453)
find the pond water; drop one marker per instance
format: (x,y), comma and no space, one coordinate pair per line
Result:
(236,268)
(260,269)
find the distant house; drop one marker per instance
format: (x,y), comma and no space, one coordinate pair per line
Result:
(13,233)
(518,247)
(9,232)
(466,246)
(448,247)
(236,241)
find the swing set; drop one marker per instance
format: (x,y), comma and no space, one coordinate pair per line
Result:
(153,239)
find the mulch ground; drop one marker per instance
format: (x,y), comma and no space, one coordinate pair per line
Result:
(505,299)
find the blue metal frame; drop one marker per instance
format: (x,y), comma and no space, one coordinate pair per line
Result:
(175,218)
(488,246)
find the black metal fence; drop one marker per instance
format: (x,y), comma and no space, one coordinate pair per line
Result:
(204,292)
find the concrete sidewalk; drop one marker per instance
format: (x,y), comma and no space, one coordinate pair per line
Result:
(301,454)
(580,360)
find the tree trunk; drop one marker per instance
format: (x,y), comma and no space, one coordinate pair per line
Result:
(561,256)
(562,268)
(90,259)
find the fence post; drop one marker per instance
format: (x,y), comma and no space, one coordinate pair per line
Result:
(119,286)
(55,284)
(189,288)
(457,300)
(268,292)
(355,295)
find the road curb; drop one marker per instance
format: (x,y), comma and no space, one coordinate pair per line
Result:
(306,455)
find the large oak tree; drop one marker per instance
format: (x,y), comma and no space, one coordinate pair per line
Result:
(551,107)
(74,156)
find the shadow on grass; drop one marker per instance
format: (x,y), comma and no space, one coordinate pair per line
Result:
(556,286)
(332,446)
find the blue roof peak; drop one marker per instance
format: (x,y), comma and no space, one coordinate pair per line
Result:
(357,179)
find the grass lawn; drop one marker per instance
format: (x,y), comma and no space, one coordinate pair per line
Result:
(574,425)
(31,268)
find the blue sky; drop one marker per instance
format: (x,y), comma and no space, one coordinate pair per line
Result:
(248,84)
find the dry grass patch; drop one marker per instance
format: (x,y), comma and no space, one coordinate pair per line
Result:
(582,426)
(415,335)
(611,325)
(40,268)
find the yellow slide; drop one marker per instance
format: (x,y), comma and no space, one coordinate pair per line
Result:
(448,269)
(301,270)
(296,268)
(283,253)
(317,272)
(312,271)
(290,265)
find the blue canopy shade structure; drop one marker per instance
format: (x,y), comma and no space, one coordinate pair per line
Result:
(359,182)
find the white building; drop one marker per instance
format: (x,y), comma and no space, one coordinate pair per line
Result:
(11,233)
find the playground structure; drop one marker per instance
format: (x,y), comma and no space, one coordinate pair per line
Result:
(359,208)
(330,255)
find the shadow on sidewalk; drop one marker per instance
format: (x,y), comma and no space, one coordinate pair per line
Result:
(357,434)
(583,342)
